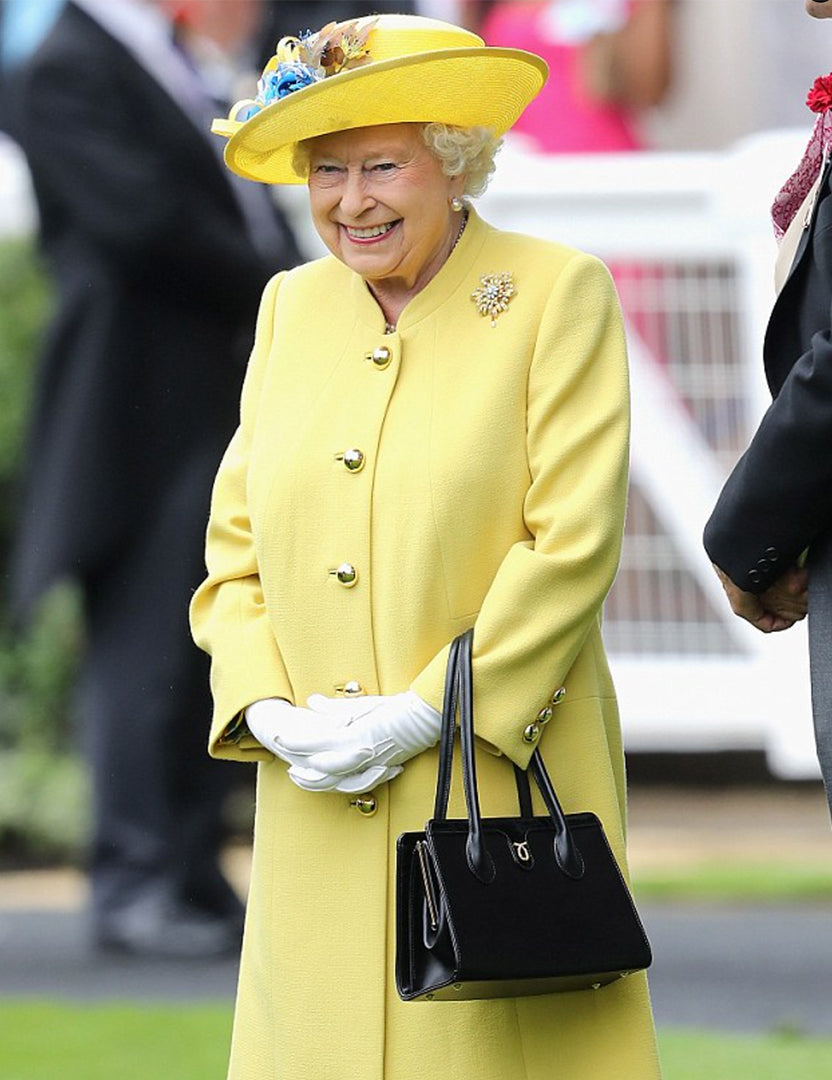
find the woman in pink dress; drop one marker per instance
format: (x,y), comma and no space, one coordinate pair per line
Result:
(608,59)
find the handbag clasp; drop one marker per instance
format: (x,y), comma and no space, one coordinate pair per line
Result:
(521,851)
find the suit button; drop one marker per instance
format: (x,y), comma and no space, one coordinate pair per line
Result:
(531,733)
(545,715)
(345,574)
(365,804)
(559,695)
(352,460)
(380,357)
(755,576)
(772,554)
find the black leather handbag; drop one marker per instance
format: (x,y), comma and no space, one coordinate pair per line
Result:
(504,907)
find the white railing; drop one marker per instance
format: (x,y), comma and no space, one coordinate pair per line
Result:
(688,240)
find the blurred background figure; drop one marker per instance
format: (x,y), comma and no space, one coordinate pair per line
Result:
(158,258)
(23,25)
(284,17)
(608,59)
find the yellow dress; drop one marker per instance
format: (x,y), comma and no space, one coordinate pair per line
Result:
(490,491)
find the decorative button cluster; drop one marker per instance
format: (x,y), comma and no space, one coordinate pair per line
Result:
(764,569)
(353,460)
(531,733)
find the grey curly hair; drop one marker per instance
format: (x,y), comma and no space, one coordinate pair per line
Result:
(469,150)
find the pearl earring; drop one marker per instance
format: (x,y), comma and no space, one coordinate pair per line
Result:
(457,204)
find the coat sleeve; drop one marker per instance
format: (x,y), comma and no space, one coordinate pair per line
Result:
(776,500)
(228,615)
(548,591)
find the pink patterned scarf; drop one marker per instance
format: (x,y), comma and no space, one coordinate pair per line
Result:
(791,196)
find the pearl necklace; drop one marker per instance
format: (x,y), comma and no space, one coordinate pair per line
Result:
(390,328)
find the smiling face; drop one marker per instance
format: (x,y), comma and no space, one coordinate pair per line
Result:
(382,205)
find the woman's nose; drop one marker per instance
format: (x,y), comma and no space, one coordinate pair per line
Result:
(354,195)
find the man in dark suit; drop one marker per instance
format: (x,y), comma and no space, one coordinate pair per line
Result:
(159,261)
(776,505)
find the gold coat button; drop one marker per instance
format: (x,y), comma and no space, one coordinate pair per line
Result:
(350,689)
(531,733)
(353,460)
(559,695)
(545,715)
(365,804)
(380,357)
(345,574)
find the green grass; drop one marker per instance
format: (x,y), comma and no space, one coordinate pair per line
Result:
(699,1055)
(746,880)
(45,1041)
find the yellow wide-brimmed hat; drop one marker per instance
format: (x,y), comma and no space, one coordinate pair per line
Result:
(383,69)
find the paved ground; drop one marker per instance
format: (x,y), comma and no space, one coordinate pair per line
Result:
(725,967)
(734,969)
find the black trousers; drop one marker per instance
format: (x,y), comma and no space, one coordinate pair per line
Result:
(145,704)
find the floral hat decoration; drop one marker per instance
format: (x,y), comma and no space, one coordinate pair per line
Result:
(383,69)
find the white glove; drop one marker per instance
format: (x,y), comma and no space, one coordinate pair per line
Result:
(362,742)
(270,720)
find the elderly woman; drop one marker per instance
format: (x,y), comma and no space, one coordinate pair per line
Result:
(433,436)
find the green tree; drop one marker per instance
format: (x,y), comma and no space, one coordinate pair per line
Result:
(43,798)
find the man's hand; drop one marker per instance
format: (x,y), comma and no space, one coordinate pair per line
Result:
(778,608)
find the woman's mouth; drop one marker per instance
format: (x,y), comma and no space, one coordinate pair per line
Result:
(371,234)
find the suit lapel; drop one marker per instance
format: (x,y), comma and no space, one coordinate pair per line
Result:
(803,245)
(784,311)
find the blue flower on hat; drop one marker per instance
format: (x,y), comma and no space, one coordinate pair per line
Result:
(285,80)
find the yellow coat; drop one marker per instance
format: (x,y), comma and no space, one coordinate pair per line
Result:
(491,493)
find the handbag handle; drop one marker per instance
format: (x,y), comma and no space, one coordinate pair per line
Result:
(446,739)
(459,691)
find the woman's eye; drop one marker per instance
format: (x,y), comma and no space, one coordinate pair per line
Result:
(325,170)
(384,166)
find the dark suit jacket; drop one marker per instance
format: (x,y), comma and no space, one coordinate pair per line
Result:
(778,499)
(157,284)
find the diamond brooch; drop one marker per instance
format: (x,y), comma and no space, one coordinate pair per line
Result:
(493,295)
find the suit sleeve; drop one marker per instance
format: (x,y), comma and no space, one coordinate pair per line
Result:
(228,615)
(548,592)
(777,499)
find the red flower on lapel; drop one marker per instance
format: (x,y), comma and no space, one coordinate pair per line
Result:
(820,96)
